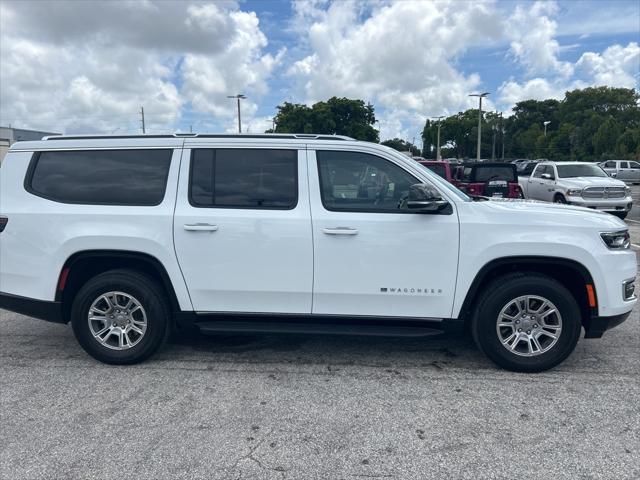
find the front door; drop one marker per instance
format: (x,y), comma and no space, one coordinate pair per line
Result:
(242,230)
(372,255)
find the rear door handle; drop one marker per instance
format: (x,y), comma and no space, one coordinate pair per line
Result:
(340,231)
(200,227)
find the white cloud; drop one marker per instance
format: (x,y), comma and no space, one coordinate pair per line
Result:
(533,39)
(87,66)
(398,55)
(617,66)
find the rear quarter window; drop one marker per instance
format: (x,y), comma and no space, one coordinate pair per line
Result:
(100,177)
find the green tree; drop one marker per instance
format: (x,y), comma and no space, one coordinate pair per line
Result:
(336,116)
(402,146)
(604,140)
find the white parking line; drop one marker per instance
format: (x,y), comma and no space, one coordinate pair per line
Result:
(632,221)
(635,245)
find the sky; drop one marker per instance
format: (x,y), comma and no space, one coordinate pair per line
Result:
(86,66)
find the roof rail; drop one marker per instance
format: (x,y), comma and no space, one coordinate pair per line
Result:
(298,136)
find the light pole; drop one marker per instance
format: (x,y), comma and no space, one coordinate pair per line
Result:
(239,97)
(480,97)
(438,155)
(545,126)
(379,130)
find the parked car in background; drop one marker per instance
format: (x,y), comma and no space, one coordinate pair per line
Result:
(518,161)
(525,168)
(578,183)
(489,179)
(626,170)
(444,169)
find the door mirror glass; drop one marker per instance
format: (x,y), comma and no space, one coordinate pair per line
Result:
(426,199)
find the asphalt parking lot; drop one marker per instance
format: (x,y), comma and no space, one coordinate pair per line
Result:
(315,407)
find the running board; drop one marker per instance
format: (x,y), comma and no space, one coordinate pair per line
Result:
(215,326)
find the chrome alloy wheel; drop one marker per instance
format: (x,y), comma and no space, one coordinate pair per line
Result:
(529,325)
(117,320)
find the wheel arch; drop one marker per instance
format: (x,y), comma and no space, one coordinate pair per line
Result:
(81,266)
(572,274)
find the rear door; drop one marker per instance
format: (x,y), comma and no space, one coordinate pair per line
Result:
(242,229)
(372,255)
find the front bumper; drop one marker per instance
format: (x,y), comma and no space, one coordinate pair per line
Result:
(604,204)
(42,309)
(595,327)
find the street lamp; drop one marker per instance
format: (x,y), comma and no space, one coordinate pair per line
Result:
(480,97)
(545,126)
(438,155)
(239,97)
(379,130)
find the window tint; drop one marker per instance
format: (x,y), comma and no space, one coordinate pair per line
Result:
(244,178)
(101,177)
(634,165)
(624,164)
(486,173)
(353,181)
(610,165)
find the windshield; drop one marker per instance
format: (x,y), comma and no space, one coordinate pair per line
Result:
(580,170)
(439,169)
(485,174)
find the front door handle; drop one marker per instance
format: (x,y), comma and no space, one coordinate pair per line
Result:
(200,227)
(340,231)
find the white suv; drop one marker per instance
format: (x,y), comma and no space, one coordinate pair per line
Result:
(130,237)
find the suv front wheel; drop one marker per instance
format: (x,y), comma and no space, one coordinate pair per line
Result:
(120,317)
(526,322)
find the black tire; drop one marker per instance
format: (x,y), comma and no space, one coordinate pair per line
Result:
(150,296)
(559,198)
(498,293)
(621,215)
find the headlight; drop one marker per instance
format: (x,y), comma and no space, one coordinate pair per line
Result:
(574,192)
(627,191)
(616,240)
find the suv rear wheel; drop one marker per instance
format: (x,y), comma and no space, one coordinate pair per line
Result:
(120,317)
(526,322)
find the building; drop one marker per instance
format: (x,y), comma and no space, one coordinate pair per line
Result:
(9,136)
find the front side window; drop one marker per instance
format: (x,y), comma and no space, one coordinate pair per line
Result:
(360,182)
(540,169)
(244,178)
(101,177)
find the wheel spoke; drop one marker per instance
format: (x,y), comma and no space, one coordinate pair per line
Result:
(536,344)
(515,342)
(108,300)
(136,329)
(99,333)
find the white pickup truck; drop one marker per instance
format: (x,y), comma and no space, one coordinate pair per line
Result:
(577,183)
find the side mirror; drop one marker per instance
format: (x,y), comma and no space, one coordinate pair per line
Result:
(424,198)
(546,176)
(613,174)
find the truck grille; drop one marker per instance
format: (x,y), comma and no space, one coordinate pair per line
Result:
(603,192)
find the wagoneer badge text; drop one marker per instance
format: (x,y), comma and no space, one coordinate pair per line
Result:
(412,291)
